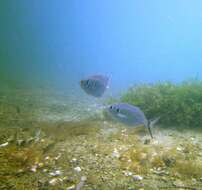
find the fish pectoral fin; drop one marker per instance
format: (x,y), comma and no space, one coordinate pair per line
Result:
(121,115)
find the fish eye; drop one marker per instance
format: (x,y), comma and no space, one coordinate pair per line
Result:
(110,107)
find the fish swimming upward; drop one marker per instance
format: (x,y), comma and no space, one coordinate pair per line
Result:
(95,85)
(130,115)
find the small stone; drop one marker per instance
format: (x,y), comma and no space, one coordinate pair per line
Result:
(20,171)
(4,144)
(33,169)
(115,153)
(137,178)
(40,164)
(127,173)
(73,160)
(58,156)
(178,183)
(71,187)
(45,170)
(56,173)
(53,181)
(83,178)
(77,169)
(179,149)
(47,158)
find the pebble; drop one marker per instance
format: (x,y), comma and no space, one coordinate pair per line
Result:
(4,144)
(33,169)
(115,153)
(83,178)
(179,149)
(73,160)
(45,170)
(71,187)
(58,156)
(53,181)
(178,183)
(137,178)
(77,169)
(47,158)
(40,164)
(55,173)
(127,173)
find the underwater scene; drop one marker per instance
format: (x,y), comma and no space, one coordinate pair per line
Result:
(100,95)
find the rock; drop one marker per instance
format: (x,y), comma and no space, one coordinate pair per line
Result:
(179,149)
(71,187)
(45,170)
(137,178)
(127,173)
(53,181)
(115,153)
(4,145)
(77,169)
(73,160)
(178,183)
(47,158)
(83,178)
(160,172)
(56,173)
(58,156)
(33,168)
(40,165)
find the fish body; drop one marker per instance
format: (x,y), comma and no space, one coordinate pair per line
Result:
(95,85)
(129,115)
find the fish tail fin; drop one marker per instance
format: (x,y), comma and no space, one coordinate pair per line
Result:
(151,123)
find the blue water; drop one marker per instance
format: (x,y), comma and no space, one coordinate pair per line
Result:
(53,44)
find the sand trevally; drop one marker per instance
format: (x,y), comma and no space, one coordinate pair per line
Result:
(131,115)
(95,85)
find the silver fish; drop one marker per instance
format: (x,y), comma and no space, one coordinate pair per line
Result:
(95,85)
(130,115)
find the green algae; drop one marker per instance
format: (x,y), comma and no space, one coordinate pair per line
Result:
(177,104)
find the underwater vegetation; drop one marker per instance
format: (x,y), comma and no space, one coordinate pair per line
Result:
(176,104)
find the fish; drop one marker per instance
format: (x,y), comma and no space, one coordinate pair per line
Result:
(95,85)
(131,115)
